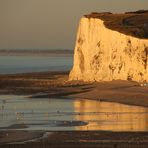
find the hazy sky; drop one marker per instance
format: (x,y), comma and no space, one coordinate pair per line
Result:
(51,23)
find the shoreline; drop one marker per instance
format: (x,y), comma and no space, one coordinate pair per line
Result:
(8,137)
(76,138)
(56,84)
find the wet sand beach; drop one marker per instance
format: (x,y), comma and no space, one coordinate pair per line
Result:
(56,84)
(79,139)
(12,136)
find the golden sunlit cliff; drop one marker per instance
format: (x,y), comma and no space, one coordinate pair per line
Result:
(111,47)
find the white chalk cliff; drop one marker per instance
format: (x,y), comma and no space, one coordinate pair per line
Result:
(102,54)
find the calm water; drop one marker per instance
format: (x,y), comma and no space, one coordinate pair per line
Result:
(21,64)
(22,113)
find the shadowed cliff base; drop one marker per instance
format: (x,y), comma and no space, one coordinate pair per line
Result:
(130,23)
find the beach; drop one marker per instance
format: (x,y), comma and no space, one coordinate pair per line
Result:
(52,84)
(73,74)
(76,139)
(56,84)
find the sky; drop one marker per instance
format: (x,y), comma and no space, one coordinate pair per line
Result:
(51,24)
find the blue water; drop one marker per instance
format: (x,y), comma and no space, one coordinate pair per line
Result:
(24,64)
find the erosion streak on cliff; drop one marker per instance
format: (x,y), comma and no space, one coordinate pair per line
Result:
(102,54)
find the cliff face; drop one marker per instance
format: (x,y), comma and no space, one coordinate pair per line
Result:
(102,54)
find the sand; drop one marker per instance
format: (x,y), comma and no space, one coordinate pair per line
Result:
(12,136)
(56,84)
(125,92)
(95,139)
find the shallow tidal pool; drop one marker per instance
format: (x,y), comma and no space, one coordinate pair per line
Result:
(23,113)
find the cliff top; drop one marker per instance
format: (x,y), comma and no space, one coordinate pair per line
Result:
(130,23)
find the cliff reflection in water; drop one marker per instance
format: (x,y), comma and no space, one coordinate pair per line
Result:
(111,116)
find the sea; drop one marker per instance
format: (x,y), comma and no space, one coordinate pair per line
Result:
(27,63)
(50,114)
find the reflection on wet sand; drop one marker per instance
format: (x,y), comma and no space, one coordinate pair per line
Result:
(111,116)
(20,112)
